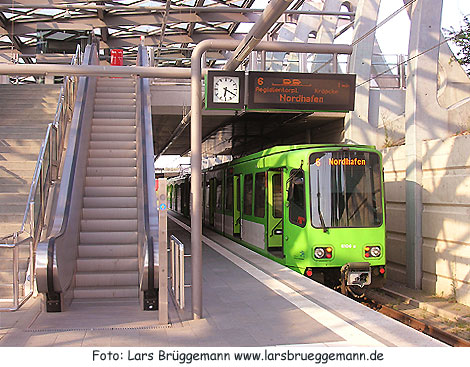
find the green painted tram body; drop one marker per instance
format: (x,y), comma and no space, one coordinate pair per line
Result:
(272,224)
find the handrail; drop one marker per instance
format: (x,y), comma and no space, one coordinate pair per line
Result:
(150,294)
(50,154)
(177,271)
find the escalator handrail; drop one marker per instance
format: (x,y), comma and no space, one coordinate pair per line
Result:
(90,49)
(148,238)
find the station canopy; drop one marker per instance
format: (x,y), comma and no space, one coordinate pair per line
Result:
(173,27)
(38,31)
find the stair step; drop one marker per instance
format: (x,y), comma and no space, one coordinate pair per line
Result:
(14,165)
(107,264)
(7,264)
(114,93)
(6,291)
(7,253)
(17,124)
(109,213)
(115,114)
(110,181)
(37,135)
(11,218)
(19,156)
(112,137)
(113,122)
(15,208)
(20,142)
(110,202)
(114,108)
(125,145)
(19,150)
(103,292)
(111,171)
(110,191)
(112,101)
(112,162)
(116,81)
(6,278)
(117,225)
(9,186)
(113,129)
(107,279)
(13,199)
(43,109)
(112,153)
(112,250)
(108,237)
(15,180)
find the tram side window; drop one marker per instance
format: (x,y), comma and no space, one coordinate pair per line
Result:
(229,193)
(260,194)
(296,198)
(248,195)
(218,190)
(207,200)
(277,195)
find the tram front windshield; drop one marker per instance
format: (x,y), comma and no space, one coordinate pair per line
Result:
(345,189)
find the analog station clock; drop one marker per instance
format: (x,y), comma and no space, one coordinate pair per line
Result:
(226,89)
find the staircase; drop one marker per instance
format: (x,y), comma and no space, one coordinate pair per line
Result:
(25,112)
(107,265)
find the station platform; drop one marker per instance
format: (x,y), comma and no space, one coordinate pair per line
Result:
(248,300)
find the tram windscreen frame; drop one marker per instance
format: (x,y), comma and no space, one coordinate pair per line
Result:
(345,189)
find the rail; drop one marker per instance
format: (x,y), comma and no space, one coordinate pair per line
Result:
(177,271)
(45,174)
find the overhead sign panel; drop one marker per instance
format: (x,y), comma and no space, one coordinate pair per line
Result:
(300,91)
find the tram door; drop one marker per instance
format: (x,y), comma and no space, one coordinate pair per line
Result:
(237,217)
(275,213)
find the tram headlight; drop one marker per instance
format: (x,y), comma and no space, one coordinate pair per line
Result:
(372,251)
(375,251)
(319,252)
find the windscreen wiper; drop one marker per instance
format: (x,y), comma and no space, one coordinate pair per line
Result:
(320,214)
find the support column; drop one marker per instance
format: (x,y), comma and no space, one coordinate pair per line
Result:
(424,119)
(162,252)
(196,186)
(357,128)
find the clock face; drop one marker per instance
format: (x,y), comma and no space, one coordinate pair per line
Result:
(226,89)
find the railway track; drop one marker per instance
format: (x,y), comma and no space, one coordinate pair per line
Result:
(420,325)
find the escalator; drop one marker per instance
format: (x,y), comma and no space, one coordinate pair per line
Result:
(104,239)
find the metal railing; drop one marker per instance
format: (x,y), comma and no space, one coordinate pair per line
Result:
(45,173)
(388,71)
(177,271)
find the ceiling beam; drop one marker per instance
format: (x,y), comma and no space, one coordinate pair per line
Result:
(163,27)
(154,40)
(30,26)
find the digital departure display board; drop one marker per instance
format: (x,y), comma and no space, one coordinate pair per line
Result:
(300,91)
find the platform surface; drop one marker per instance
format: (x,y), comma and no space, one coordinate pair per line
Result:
(248,300)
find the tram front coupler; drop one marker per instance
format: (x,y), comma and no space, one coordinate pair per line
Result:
(355,274)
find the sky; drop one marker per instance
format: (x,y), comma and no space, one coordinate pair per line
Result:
(393,37)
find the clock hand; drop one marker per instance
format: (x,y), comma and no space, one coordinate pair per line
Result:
(230,92)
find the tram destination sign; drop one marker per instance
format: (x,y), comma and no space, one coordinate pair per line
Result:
(306,92)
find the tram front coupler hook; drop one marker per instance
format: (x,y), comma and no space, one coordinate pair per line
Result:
(355,274)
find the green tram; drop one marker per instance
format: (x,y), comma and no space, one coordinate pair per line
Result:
(318,209)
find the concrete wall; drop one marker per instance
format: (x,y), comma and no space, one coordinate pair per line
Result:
(446,216)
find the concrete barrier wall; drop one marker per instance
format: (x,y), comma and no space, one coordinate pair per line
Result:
(446,216)
(394,162)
